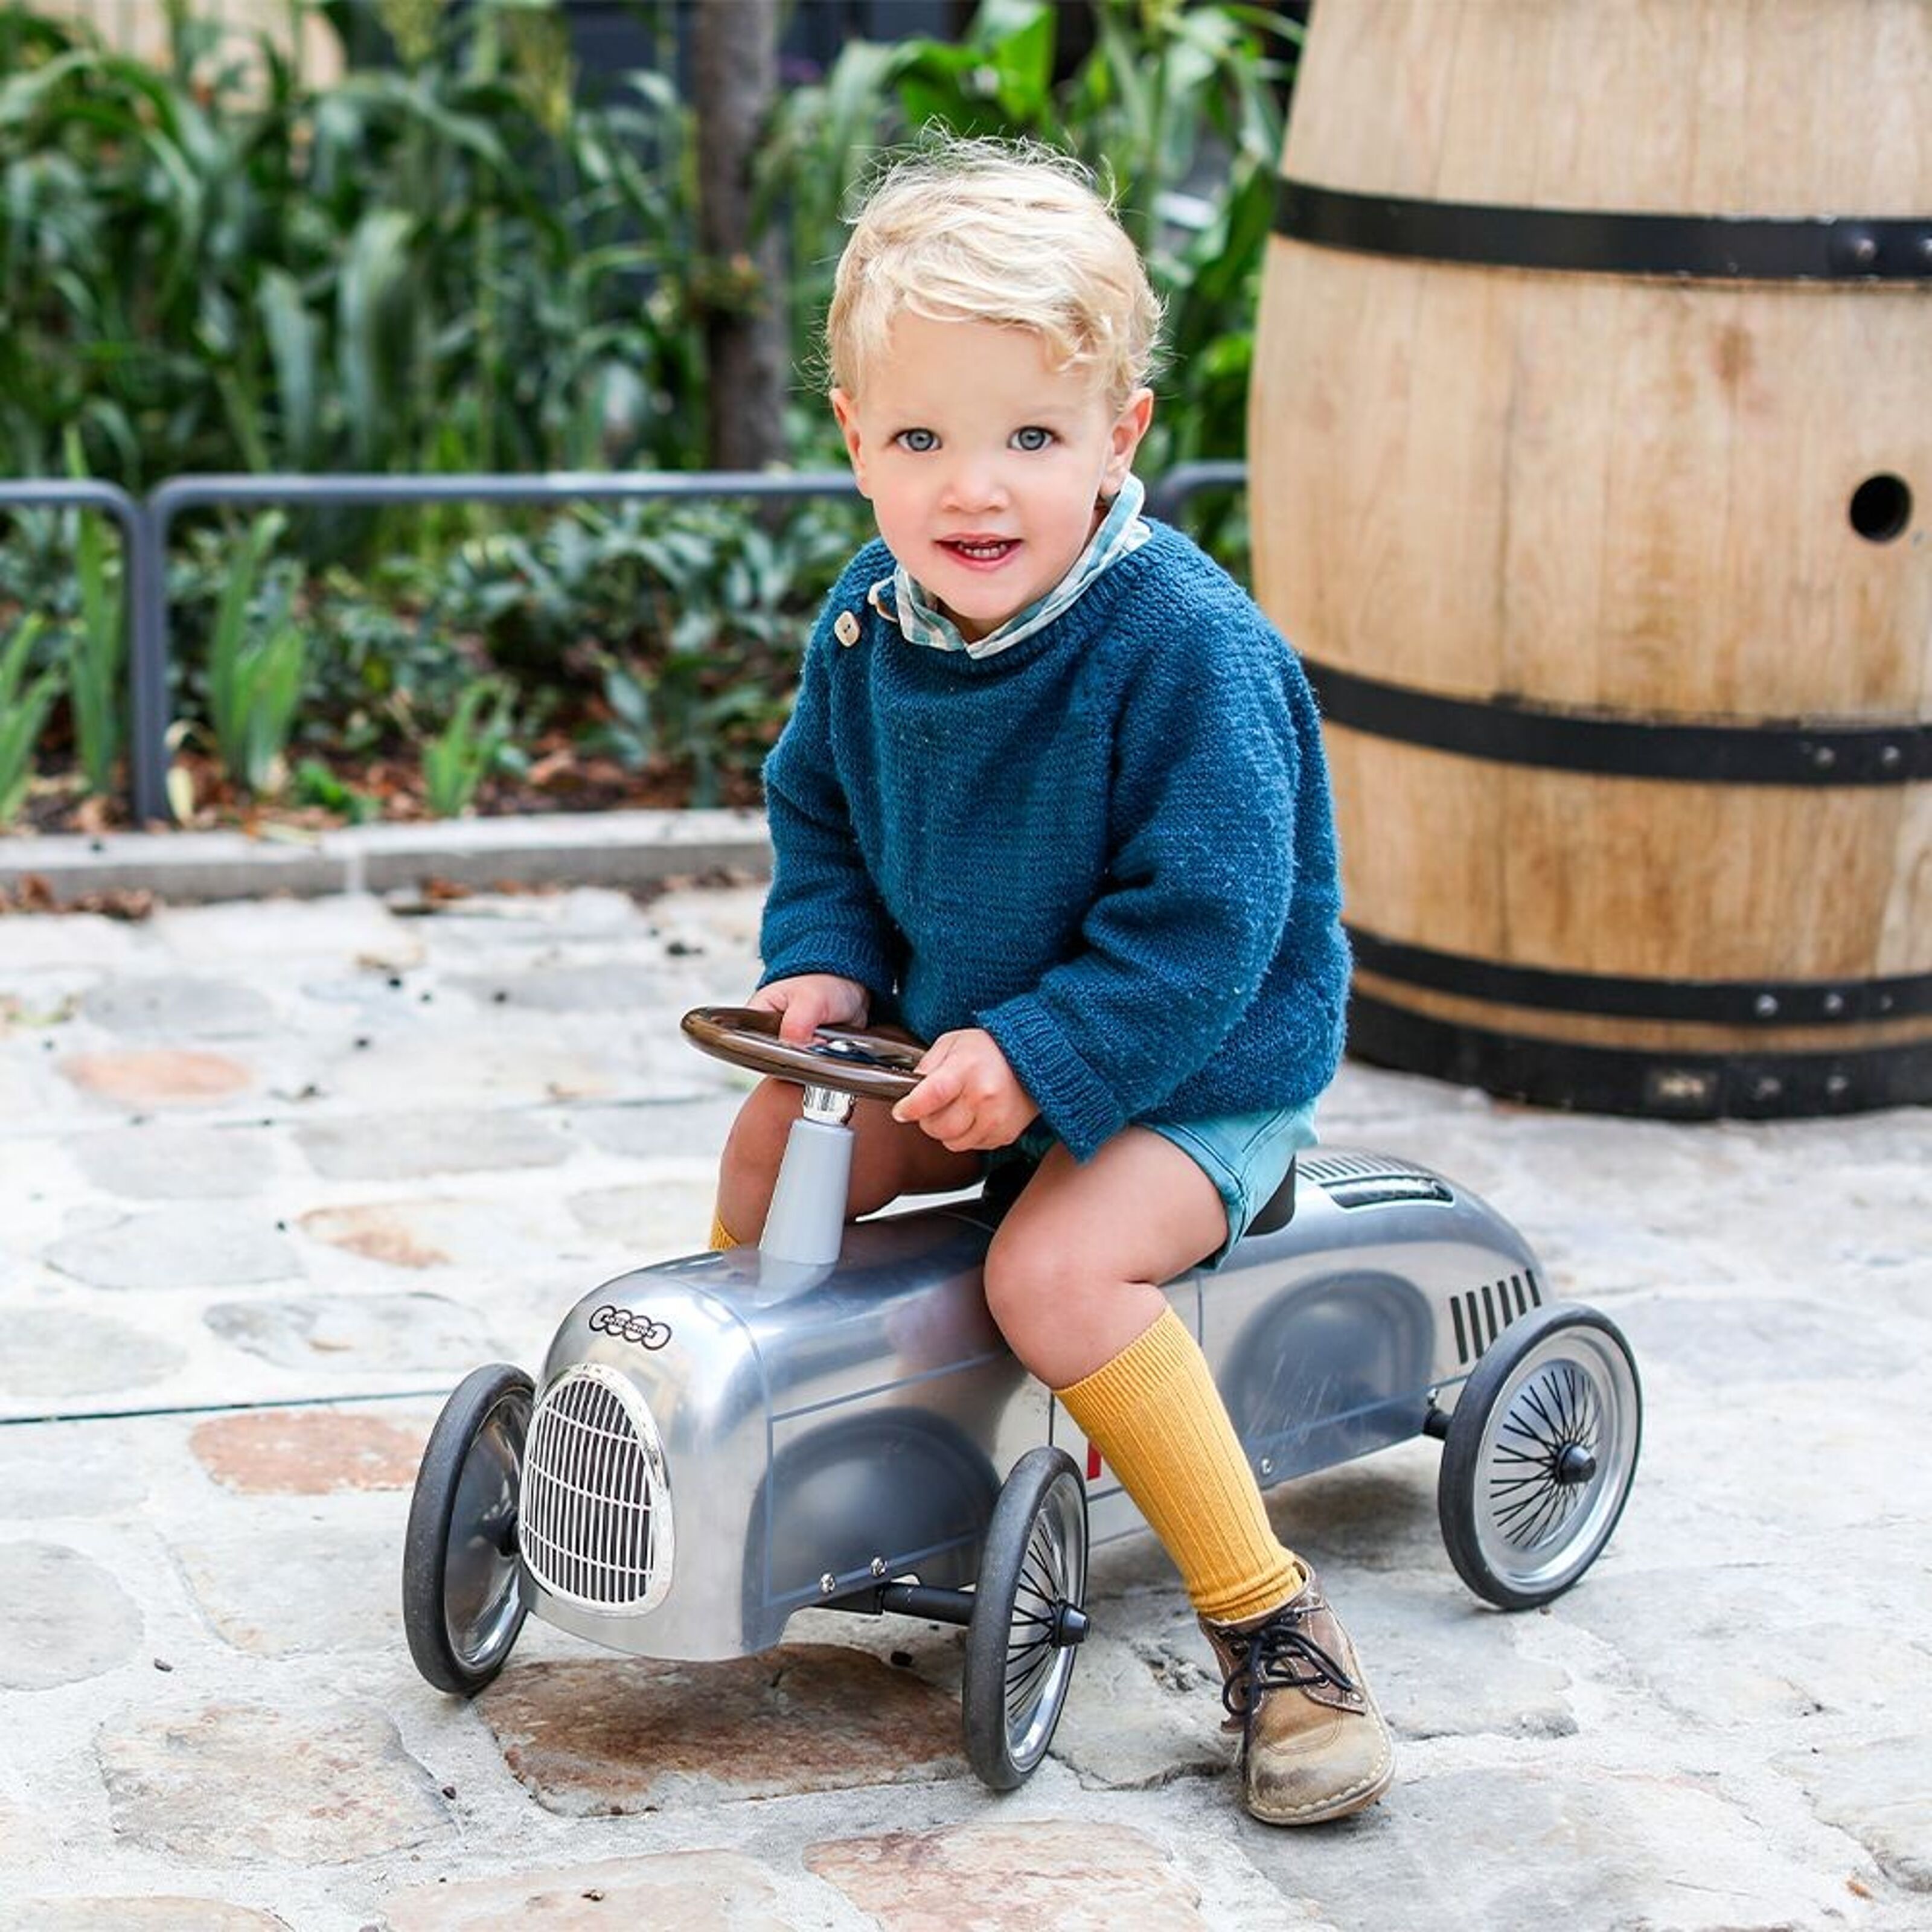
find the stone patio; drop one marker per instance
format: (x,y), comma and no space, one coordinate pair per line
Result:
(273,1175)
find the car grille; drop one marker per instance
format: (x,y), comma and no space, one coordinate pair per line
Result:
(594,1518)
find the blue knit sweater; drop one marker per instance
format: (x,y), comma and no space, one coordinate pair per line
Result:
(1110,845)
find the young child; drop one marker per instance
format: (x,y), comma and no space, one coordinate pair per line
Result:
(1053,798)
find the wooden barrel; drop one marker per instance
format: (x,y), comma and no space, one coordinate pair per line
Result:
(1590,457)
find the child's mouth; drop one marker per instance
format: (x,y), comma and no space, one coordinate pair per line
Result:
(980,550)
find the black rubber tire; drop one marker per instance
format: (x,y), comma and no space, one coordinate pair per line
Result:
(1562,1375)
(1034,1562)
(490,1407)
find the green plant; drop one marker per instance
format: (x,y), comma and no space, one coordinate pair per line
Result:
(436,262)
(699,612)
(22,713)
(255,669)
(685,618)
(97,651)
(382,651)
(314,784)
(454,257)
(679,710)
(456,761)
(629,731)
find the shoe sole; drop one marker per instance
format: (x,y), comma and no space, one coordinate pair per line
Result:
(1344,1806)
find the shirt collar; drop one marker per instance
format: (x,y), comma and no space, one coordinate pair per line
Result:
(1122,531)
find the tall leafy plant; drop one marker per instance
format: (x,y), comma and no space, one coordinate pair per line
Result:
(24,703)
(436,262)
(458,758)
(97,655)
(255,663)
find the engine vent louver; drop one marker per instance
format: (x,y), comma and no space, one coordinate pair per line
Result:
(594,1520)
(1354,1180)
(1481,1314)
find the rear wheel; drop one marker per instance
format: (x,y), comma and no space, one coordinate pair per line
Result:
(462,1603)
(1541,1453)
(1026,1618)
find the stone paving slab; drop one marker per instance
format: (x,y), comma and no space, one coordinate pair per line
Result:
(412,1176)
(274,1176)
(588,1737)
(724,1890)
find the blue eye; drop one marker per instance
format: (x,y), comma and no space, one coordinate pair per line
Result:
(919,441)
(1033,437)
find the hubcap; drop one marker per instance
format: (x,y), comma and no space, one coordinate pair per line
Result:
(1558,1451)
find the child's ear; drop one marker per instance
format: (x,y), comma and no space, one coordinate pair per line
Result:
(1124,439)
(847,411)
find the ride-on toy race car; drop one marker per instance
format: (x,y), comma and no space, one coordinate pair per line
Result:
(832,1419)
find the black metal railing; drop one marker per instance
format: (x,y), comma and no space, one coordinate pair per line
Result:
(145,525)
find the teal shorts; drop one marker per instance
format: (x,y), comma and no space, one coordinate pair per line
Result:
(1246,1156)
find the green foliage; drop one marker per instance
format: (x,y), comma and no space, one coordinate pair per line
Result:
(448,266)
(448,260)
(456,761)
(314,784)
(255,668)
(695,603)
(442,267)
(64,566)
(383,653)
(688,617)
(96,675)
(23,711)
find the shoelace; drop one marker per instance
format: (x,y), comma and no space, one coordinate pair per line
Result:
(1279,1656)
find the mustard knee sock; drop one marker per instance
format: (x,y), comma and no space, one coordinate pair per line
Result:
(1154,1413)
(722,1237)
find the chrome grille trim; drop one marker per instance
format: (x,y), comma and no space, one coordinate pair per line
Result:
(1326,1167)
(595,1524)
(1354,1180)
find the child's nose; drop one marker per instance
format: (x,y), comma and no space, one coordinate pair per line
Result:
(974,485)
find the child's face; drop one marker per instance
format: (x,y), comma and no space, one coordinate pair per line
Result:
(983,464)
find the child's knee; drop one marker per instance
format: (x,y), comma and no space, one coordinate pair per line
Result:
(1027,1273)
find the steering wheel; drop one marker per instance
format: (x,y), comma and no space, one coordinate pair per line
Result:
(846,1059)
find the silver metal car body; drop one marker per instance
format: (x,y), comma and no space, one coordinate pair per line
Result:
(720,1442)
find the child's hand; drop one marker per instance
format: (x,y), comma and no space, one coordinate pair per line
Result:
(969,1098)
(810,1001)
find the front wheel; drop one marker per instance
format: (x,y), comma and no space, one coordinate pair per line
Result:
(462,1603)
(1540,1452)
(1026,1618)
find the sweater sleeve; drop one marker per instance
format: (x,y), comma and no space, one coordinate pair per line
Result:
(821,914)
(1173,950)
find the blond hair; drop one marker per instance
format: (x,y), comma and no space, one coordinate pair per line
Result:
(1004,232)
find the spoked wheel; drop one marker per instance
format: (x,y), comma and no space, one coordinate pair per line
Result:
(462,1605)
(1026,1618)
(1540,1454)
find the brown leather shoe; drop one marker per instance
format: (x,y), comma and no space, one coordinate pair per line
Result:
(1313,1745)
